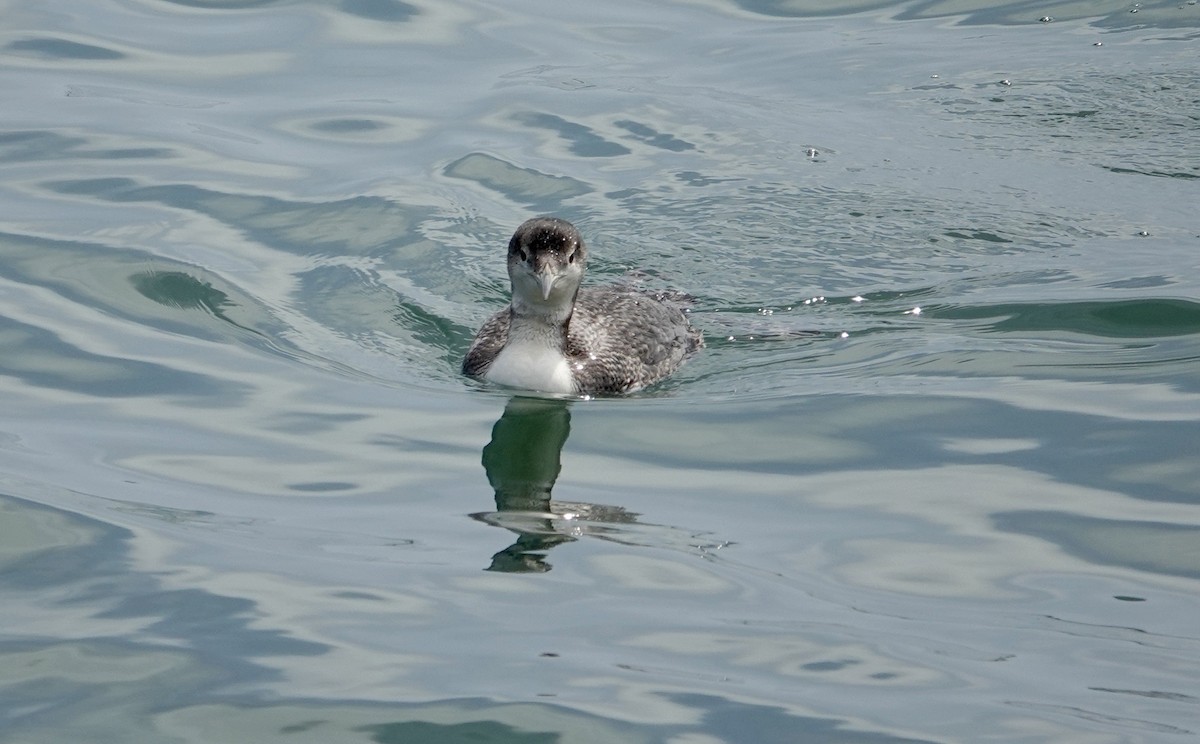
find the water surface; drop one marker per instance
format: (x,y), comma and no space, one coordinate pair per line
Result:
(933,479)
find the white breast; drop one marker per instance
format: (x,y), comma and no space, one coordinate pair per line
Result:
(531,365)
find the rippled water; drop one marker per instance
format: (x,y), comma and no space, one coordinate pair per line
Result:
(933,479)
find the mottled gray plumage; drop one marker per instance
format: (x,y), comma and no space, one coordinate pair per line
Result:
(558,337)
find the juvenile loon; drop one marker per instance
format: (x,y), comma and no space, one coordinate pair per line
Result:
(555,337)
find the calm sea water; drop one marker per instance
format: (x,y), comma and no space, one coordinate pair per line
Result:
(935,478)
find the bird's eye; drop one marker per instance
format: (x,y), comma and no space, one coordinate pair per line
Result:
(571,258)
(521,254)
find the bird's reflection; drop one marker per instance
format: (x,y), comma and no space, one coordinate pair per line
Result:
(522,461)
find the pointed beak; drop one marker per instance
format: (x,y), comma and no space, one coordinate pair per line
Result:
(546,279)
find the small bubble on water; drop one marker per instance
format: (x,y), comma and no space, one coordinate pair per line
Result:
(1143,233)
(1006,82)
(1134,10)
(765,311)
(858,298)
(1098,43)
(844,335)
(914,311)
(934,76)
(1046,19)
(811,152)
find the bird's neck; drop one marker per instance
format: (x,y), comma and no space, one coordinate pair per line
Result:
(534,312)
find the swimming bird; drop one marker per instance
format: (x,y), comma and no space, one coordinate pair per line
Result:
(558,337)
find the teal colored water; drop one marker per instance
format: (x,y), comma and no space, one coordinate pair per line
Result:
(934,477)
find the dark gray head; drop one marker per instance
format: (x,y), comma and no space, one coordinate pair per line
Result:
(546,259)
